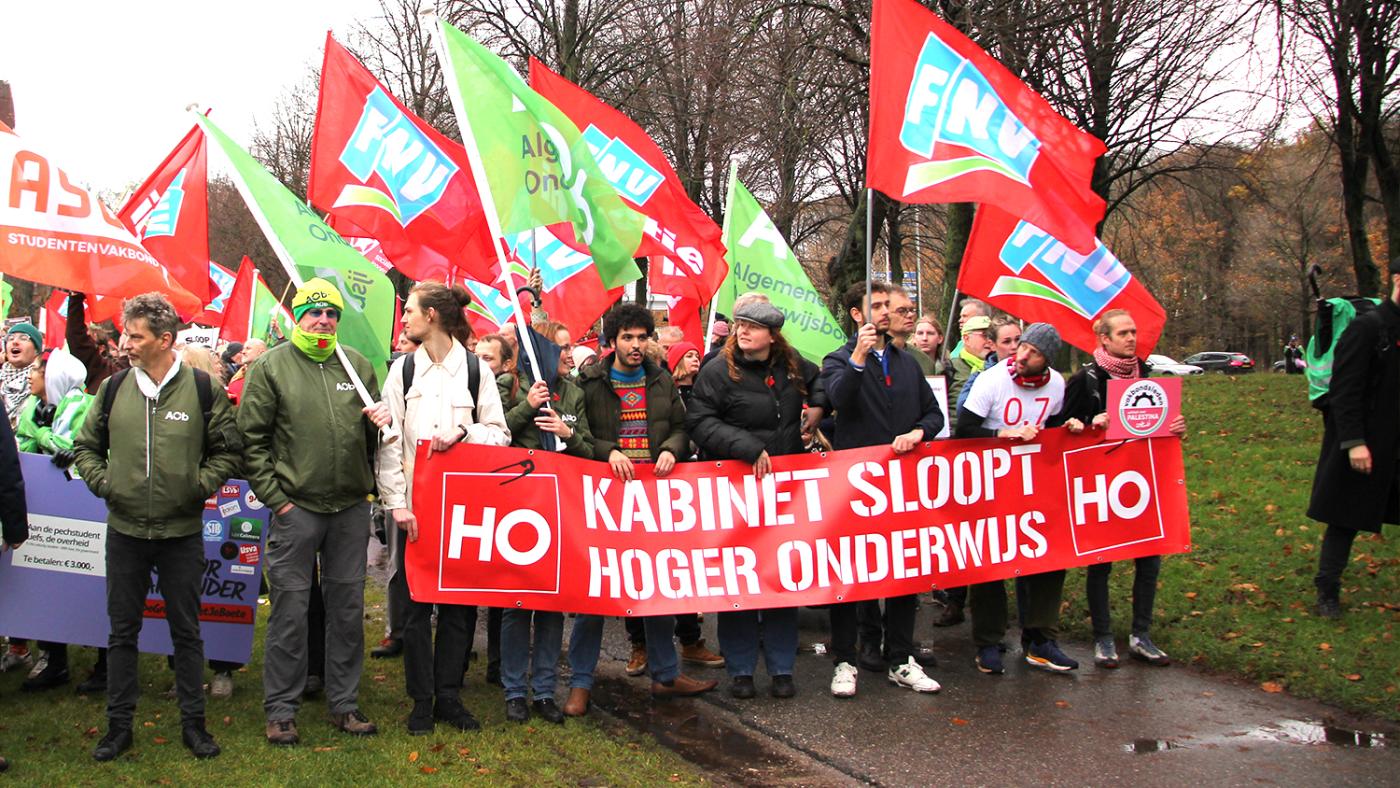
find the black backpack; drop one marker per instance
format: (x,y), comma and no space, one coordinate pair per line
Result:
(202,385)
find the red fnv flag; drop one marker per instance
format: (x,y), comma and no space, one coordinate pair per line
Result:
(169,212)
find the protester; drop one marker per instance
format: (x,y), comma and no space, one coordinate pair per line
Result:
(252,349)
(881,398)
(14,514)
(203,359)
(231,359)
(970,308)
(902,314)
(308,440)
(23,343)
(666,336)
(1293,357)
(583,356)
(1086,399)
(1015,400)
(557,333)
(928,337)
(969,359)
(719,332)
(750,408)
(162,441)
(1355,487)
(683,359)
(636,417)
(447,410)
(99,362)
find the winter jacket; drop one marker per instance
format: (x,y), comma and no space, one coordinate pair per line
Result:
(566,400)
(162,459)
(872,407)
(80,344)
(665,411)
(741,420)
(308,442)
(1362,408)
(58,434)
(14,512)
(1086,391)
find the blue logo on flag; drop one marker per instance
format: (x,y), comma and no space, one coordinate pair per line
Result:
(166,215)
(1084,284)
(388,144)
(223,281)
(951,102)
(624,169)
(538,248)
(489,302)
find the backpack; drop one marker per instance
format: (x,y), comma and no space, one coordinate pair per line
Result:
(473,376)
(202,385)
(1333,317)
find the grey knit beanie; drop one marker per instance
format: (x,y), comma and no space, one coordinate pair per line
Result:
(1042,337)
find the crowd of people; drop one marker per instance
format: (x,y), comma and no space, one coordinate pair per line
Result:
(289,420)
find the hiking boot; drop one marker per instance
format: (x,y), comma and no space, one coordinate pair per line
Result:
(420,720)
(1328,607)
(452,712)
(517,710)
(282,732)
(741,687)
(1141,647)
(221,686)
(116,742)
(1105,653)
(16,656)
(547,710)
(682,686)
(952,616)
(782,686)
(637,665)
(869,658)
(51,676)
(697,654)
(843,680)
(387,648)
(1047,654)
(911,675)
(578,702)
(198,740)
(989,660)
(354,723)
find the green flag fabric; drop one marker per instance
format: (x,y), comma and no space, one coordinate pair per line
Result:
(761,261)
(271,321)
(5,288)
(300,238)
(538,168)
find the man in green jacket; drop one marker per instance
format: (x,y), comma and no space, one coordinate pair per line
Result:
(155,459)
(309,441)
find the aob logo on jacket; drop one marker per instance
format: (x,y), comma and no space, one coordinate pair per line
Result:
(414,170)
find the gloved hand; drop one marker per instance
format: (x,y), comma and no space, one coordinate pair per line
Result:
(64,458)
(43,414)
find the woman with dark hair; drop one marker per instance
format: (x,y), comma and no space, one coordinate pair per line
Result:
(748,406)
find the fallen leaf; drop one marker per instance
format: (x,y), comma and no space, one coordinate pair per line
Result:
(464,751)
(1353,677)
(380,677)
(163,740)
(438,747)
(324,749)
(1208,694)
(428,770)
(148,724)
(90,731)
(228,720)
(483,770)
(1062,704)
(959,721)
(1271,686)
(1190,594)
(1324,646)
(1250,587)
(675,778)
(413,756)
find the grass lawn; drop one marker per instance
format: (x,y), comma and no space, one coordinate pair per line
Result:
(1241,601)
(50,736)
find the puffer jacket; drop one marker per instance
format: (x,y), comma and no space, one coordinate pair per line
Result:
(567,401)
(760,412)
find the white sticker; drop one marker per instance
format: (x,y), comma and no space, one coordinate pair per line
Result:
(230,509)
(242,569)
(252,500)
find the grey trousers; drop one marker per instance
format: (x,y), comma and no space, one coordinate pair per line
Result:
(396,590)
(292,545)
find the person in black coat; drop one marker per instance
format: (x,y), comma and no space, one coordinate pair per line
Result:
(1355,487)
(14,512)
(749,405)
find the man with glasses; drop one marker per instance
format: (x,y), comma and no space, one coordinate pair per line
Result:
(902,318)
(308,443)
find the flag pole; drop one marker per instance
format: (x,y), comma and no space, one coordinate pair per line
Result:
(252,305)
(724,235)
(869,251)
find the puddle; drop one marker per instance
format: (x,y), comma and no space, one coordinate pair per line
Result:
(1305,732)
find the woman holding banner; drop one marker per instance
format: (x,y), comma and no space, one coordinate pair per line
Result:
(750,408)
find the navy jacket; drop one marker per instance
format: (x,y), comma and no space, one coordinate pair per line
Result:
(869,412)
(14,513)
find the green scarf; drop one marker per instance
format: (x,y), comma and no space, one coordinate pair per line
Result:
(317,347)
(977,364)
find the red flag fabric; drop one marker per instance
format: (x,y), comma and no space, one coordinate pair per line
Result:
(685,244)
(948,123)
(381,172)
(221,279)
(53,232)
(572,291)
(684,313)
(56,319)
(238,309)
(169,212)
(1018,267)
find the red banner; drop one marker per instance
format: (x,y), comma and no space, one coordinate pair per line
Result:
(948,123)
(508,527)
(1019,268)
(169,212)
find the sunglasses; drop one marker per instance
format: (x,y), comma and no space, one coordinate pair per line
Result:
(333,314)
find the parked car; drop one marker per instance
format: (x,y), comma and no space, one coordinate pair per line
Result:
(1278,365)
(1164,365)
(1217,361)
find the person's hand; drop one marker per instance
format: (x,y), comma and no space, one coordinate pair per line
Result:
(64,457)
(1360,457)
(1025,432)
(665,461)
(549,421)
(538,394)
(621,466)
(285,509)
(1074,425)
(906,442)
(1178,426)
(866,339)
(1100,421)
(762,466)
(445,439)
(378,414)
(811,419)
(406,522)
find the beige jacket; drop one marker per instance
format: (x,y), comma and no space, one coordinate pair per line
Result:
(438,400)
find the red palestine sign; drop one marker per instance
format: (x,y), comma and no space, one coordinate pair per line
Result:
(509,527)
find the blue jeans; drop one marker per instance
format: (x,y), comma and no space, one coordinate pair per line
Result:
(740,640)
(662,662)
(585,641)
(517,647)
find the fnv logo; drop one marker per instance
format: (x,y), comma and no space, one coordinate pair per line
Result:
(164,217)
(1083,284)
(556,261)
(628,172)
(950,103)
(176,415)
(414,170)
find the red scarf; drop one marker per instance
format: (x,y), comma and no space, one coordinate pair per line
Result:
(1027,381)
(1120,368)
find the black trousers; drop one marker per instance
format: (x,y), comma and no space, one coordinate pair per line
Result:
(1332,560)
(687,629)
(179,564)
(898,625)
(433,667)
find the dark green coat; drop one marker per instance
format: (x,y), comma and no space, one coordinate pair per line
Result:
(665,411)
(568,403)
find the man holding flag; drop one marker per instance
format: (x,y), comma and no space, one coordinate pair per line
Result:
(308,446)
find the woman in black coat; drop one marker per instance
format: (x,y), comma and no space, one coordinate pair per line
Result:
(1355,488)
(747,405)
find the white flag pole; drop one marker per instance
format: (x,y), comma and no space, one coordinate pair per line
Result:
(724,236)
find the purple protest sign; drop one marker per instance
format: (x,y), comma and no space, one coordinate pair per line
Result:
(54,587)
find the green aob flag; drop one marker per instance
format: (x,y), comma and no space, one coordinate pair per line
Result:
(5,289)
(760,260)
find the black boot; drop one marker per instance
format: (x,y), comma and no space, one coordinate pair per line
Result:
(1329,604)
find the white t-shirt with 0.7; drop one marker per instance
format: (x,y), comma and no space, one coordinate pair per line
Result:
(1002,403)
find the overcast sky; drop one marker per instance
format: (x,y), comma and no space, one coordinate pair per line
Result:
(102,86)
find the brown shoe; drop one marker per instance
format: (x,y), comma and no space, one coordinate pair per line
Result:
(683,687)
(697,654)
(951,617)
(354,723)
(577,704)
(282,732)
(637,665)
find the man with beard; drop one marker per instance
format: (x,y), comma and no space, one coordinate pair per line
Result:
(23,343)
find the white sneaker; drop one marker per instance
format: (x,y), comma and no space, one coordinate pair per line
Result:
(911,674)
(221,686)
(843,682)
(16,657)
(40,665)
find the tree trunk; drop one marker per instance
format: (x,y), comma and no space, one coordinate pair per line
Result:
(957,229)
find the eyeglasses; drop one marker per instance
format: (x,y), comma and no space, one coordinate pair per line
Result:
(907,311)
(333,314)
